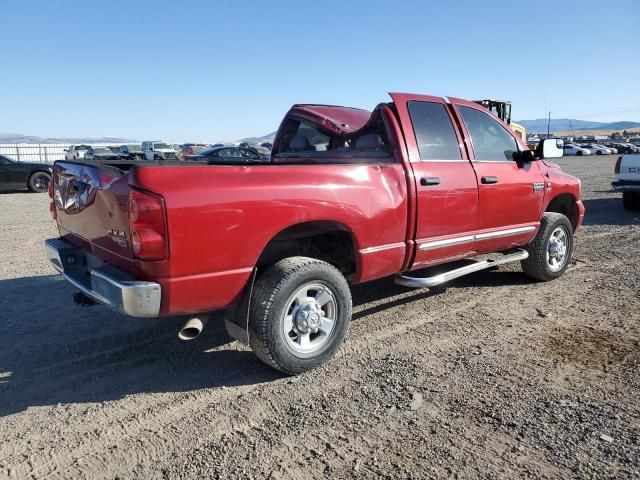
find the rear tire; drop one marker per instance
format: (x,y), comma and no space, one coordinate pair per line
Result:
(38,182)
(300,313)
(551,250)
(631,200)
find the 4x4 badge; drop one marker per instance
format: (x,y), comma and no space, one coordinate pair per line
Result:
(538,186)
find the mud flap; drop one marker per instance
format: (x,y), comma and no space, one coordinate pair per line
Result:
(236,318)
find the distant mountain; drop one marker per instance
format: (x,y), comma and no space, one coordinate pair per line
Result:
(17,138)
(567,124)
(265,138)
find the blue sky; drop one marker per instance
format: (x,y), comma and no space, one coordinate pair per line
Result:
(222,70)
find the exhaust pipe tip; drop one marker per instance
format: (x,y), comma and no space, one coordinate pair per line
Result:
(192,329)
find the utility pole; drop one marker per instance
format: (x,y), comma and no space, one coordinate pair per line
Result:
(549,125)
(572,130)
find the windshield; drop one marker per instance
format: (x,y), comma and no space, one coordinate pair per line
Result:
(162,146)
(101,150)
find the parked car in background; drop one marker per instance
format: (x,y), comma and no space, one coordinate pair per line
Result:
(268,145)
(626,179)
(347,196)
(76,152)
(190,149)
(624,147)
(256,148)
(100,153)
(230,155)
(572,149)
(596,148)
(131,152)
(16,175)
(159,151)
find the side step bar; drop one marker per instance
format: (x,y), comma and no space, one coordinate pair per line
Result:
(415,282)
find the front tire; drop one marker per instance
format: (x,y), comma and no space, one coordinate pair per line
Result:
(300,314)
(551,250)
(631,200)
(579,153)
(38,182)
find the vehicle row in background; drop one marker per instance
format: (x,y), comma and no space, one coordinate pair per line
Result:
(161,151)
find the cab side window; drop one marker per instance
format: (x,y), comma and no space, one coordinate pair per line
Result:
(489,139)
(434,131)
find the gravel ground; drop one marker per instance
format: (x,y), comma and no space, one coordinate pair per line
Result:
(491,377)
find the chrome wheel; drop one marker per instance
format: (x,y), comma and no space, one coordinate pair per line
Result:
(310,318)
(41,183)
(557,249)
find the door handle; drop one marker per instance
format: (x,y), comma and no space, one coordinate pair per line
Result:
(489,179)
(429,181)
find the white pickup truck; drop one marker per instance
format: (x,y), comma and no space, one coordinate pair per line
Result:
(626,179)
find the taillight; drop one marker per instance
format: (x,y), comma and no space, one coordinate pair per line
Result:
(617,168)
(147,226)
(52,203)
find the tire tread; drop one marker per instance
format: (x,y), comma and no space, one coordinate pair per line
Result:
(534,266)
(265,293)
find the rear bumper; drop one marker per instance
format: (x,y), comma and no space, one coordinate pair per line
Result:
(103,282)
(626,185)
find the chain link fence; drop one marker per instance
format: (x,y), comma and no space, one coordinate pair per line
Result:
(40,152)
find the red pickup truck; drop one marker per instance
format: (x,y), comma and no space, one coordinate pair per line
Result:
(347,196)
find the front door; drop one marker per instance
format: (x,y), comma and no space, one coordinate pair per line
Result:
(510,193)
(446,186)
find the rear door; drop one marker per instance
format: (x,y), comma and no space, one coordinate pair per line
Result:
(510,193)
(446,186)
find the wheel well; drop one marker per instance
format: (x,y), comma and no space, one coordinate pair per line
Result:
(565,204)
(328,241)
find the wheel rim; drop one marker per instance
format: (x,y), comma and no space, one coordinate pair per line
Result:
(557,249)
(41,183)
(310,318)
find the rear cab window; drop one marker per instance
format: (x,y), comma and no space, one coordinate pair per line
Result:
(301,138)
(434,132)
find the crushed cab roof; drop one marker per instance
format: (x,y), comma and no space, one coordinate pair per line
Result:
(346,119)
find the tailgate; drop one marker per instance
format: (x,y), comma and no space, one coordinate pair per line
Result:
(92,209)
(630,168)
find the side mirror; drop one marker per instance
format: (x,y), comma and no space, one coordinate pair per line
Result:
(524,156)
(551,148)
(66,150)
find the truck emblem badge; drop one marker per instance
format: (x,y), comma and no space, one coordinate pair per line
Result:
(118,236)
(538,186)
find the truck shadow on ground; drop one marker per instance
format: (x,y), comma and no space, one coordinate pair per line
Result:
(52,352)
(608,211)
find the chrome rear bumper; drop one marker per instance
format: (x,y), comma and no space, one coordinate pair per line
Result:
(103,282)
(626,186)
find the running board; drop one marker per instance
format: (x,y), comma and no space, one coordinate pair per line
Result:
(415,282)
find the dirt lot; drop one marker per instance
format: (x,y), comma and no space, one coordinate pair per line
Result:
(492,377)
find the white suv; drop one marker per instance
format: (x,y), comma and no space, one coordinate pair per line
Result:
(159,151)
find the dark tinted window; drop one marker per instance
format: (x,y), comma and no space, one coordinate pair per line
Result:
(434,131)
(490,140)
